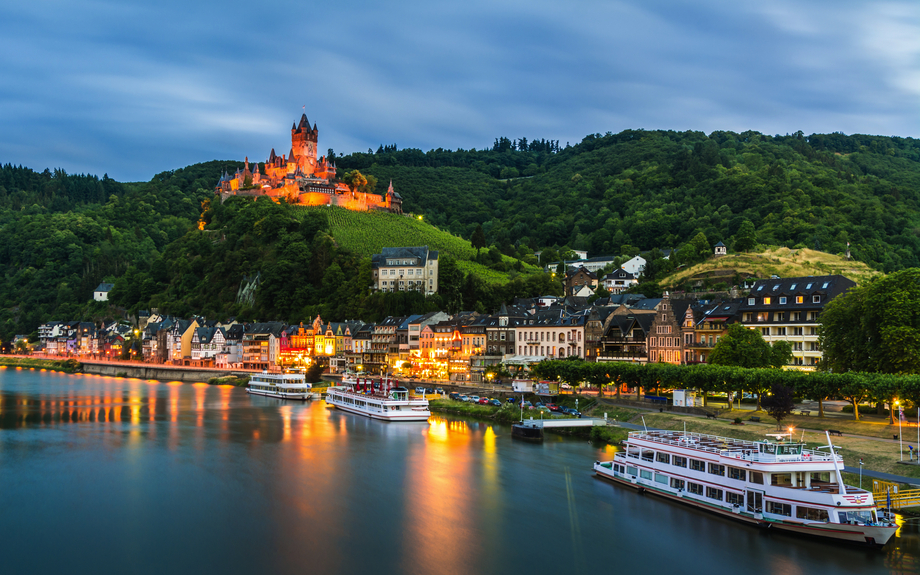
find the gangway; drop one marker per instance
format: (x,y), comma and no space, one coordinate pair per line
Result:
(900,498)
(532,429)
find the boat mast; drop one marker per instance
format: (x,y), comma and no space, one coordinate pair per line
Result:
(830,446)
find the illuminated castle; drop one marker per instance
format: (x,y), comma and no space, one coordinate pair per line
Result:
(301,178)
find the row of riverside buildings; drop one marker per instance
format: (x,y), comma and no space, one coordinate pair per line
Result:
(461,348)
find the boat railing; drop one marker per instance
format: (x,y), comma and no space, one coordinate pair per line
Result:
(742,449)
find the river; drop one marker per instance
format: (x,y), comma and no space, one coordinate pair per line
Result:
(118,475)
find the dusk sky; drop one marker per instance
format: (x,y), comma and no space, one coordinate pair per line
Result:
(134,88)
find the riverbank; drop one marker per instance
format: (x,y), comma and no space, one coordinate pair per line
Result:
(65,366)
(510,413)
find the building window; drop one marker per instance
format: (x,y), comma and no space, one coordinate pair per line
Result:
(782,301)
(767,300)
(815,299)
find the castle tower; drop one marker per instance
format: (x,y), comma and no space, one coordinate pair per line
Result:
(303,143)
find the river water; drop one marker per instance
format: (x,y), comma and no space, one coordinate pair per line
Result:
(108,475)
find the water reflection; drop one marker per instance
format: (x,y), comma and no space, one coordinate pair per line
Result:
(131,469)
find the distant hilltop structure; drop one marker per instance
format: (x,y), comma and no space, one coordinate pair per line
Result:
(301,177)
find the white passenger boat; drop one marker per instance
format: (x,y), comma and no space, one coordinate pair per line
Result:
(280,385)
(380,398)
(781,484)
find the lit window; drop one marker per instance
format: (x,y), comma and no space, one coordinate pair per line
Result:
(799,299)
(767,301)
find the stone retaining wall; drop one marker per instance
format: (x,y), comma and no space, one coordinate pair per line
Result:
(157,372)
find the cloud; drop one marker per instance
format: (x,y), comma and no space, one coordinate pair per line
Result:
(131,88)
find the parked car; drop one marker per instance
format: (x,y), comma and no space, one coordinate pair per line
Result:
(429,390)
(419,390)
(539,404)
(512,400)
(483,401)
(571,411)
(496,403)
(553,407)
(474,399)
(464,398)
(439,391)
(454,395)
(528,405)
(565,386)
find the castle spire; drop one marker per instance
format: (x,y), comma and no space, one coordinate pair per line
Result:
(304,122)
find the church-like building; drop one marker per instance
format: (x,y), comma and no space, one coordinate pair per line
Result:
(301,177)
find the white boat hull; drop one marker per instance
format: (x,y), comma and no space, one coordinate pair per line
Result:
(299,396)
(875,536)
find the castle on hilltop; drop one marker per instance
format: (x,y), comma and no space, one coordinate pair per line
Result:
(301,178)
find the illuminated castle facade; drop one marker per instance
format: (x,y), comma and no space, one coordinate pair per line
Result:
(303,178)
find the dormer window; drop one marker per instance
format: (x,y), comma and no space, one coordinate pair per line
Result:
(767,300)
(815,299)
(799,299)
(750,301)
(782,301)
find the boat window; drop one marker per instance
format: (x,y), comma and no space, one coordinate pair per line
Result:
(716,469)
(767,448)
(736,473)
(679,461)
(756,477)
(659,478)
(778,508)
(780,479)
(821,477)
(647,455)
(697,465)
(810,513)
(842,516)
(734,498)
(631,470)
(645,474)
(713,493)
(695,488)
(677,483)
(662,457)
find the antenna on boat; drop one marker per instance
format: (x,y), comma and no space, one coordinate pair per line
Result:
(833,454)
(643,424)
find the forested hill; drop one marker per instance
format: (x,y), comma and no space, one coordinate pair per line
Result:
(637,190)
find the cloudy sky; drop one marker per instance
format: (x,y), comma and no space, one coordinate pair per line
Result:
(133,88)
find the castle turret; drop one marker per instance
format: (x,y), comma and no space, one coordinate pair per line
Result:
(303,144)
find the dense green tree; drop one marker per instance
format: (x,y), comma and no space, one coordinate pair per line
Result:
(746,238)
(874,327)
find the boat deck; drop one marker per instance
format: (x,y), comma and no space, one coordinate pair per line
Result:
(730,447)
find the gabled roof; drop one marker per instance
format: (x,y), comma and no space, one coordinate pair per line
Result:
(105,287)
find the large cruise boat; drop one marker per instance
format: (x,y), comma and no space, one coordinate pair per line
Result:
(280,385)
(778,484)
(381,398)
